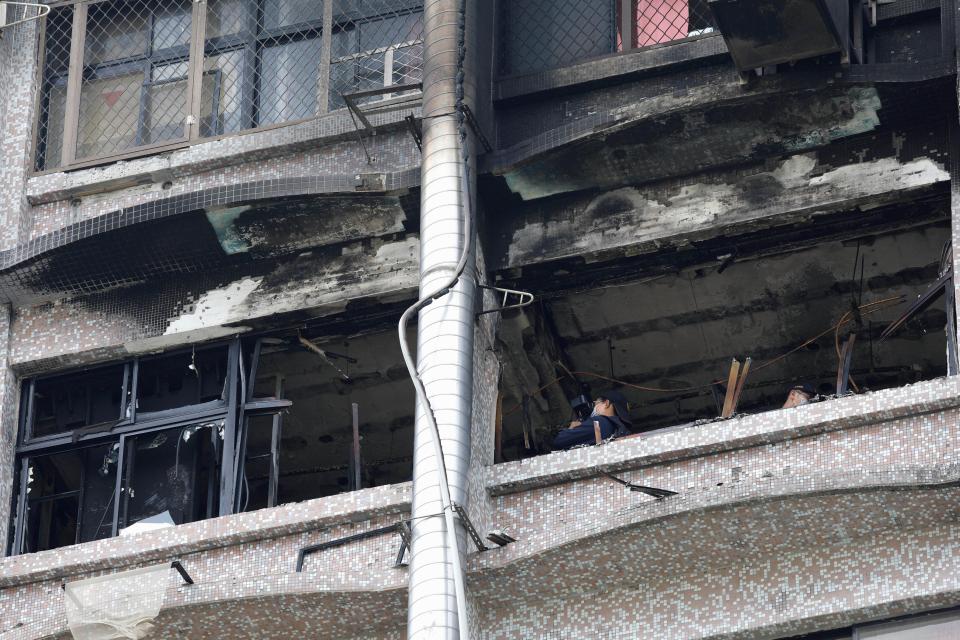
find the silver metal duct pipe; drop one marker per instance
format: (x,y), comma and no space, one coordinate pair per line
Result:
(441,456)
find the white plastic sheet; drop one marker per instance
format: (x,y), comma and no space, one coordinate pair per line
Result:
(118,605)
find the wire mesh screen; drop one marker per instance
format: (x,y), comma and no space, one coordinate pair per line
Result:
(263,62)
(376,43)
(134,86)
(536,35)
(659,21)
(53,91)
(544,34)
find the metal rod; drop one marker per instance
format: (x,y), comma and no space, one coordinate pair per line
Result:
(183,572)
(355,449)
(330,544)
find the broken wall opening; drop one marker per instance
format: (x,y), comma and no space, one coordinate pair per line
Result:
(662,339)
(313,439)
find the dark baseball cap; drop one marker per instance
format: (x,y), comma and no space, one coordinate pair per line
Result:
(804,387)
(619,403)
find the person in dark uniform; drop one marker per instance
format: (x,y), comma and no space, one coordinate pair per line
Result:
(609,411)
(799,394)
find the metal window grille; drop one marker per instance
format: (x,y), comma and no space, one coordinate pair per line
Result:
(659,21)
(374,47)
(53,91)
(122,77)
(536,35)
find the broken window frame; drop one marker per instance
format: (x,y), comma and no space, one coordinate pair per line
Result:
(28,407)
(227,409)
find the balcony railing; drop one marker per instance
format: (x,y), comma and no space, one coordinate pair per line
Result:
(537,35)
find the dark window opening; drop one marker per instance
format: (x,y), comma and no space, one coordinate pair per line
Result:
(314,440)
(186,378)
(69,498)
(204,439)
(667,340)
(170,470)
(63,403)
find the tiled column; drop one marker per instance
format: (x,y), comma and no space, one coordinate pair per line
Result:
(17,80)
(8,424)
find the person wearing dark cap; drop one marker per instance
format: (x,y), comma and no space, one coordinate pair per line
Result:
(799,394)
(610,418)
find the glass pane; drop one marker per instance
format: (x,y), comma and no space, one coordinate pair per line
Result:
(278,13)
(56,60)
(288,81)
(393,30)
(56,110)
(171,25)
(375,53)
(51,524)
(166,104)
(78,400)
(116,31)
(225,17)
(170,470)
(180,380)
(221,94)
(543,34)
(109,114)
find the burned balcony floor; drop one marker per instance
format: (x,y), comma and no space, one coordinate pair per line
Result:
(666,339)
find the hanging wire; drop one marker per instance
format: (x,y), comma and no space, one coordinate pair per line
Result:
(868,308)
(453,549)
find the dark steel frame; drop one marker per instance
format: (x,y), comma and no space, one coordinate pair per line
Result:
(131,425)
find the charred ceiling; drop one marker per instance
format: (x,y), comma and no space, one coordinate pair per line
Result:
(638,143)
(245,236)
(674,329)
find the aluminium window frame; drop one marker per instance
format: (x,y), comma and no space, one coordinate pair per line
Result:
(197,53)
(225,409)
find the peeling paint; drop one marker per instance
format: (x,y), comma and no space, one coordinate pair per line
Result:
(889,172)
(215,307)
(864,102)
(640,220)
(222,220)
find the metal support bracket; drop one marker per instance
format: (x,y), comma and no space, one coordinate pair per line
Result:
(382,106)
(659,494)
(465,520)
(183,572)
(475,127)
(415,127)
(405,543)
(314,548)
(524,298)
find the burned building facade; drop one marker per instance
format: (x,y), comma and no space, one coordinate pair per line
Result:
(215,214)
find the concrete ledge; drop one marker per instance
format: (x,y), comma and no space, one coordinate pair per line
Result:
(654,59)
(693,440)
(202,156)
(740,497)
(127,551)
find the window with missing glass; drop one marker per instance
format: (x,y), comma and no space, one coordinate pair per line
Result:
(128,77)
(103,448)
